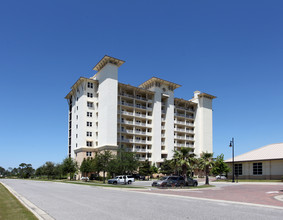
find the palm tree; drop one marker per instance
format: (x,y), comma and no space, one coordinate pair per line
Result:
(206,163)
(183,159)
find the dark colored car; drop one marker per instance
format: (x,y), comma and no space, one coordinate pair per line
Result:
(138,177)
(191,182)
(168,181)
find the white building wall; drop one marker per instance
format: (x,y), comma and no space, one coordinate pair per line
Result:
(107,105)
(169,124)
(203,125)
(156,125)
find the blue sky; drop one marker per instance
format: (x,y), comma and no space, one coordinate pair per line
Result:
(231,49)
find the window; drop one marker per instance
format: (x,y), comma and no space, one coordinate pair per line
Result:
(257,168)
(88,154)
(77,117)
(89,124)
(238,169)
(77,126)
(89,143)
(90,95)
(89,85)
(76,135)
(77,107)
(90,104)
(89,133)
(89,114)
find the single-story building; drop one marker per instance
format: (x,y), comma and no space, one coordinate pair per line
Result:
(263,163)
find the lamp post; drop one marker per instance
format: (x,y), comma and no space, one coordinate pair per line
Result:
(233,169)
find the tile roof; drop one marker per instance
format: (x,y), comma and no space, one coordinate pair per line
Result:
(268,152)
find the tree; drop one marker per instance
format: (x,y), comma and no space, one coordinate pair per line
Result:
(39,171)
(123,163)
(25,170)
(49,169)
(153,169)
(206,163)
(86,166)
(167,167)
(103,161)
(184,159)
(2,171)
(145,168)
(220,167)
(69,166)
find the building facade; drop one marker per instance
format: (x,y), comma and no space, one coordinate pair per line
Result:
(149,120)
(263,163)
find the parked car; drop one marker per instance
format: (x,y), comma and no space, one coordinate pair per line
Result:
(138,177)
(191,182)
(221,177)
(85,178)
(168,181)
(121,180)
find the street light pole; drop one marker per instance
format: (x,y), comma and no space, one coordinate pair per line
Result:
(233,169)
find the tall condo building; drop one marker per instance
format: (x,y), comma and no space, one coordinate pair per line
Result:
(105,114)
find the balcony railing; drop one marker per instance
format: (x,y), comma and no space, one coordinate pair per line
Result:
(141,98)
(140,115)
(140,123)
(127,113)
(127,104)
(140,150)
(178,114)
(179,122)
(179,129)
(190,124)
(141,106)
(140,132)
(127,95)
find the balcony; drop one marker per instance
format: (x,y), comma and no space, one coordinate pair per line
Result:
(127,113)
(179,145)
(179,137)
(190,145)
(179,122)
(180,115)
(140,123)
(140,132)
(140,150)
(141,98)
(140,141)
(180,129)
(140,115)
(141,106)
(189,124)
(126,131)
(189,116)
(190,131)
(127,95)
(127,122)
(189,138)
(126,104)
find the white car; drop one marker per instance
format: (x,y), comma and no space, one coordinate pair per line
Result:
(221,177)
(85,178)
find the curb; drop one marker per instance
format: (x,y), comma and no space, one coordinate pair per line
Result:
(40,214)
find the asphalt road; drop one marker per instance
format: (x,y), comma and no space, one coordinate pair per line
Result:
(70,201)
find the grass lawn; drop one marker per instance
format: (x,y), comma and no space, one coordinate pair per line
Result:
(11,208)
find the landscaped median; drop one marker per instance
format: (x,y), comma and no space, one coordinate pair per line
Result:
(11,208)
